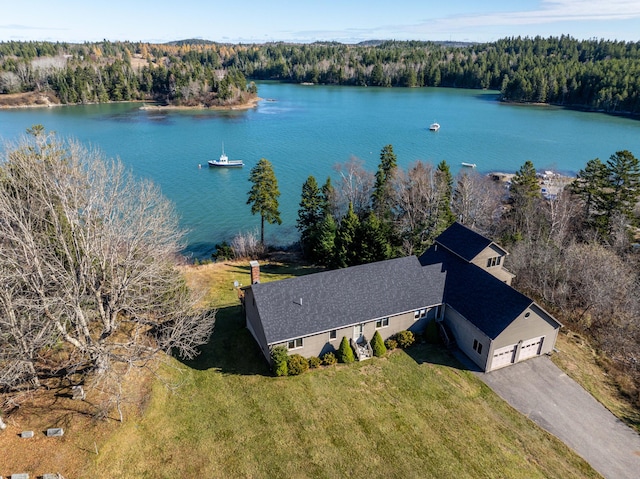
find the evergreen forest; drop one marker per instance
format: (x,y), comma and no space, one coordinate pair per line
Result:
(598,75)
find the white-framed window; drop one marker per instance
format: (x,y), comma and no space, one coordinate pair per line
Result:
(382,323)
(295,343)
(495,261)
(333,334)
(419,313)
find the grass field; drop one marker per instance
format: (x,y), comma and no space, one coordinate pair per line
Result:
(412,414)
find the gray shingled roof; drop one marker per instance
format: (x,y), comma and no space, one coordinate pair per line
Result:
(463,241)
(485,301)
(339,298)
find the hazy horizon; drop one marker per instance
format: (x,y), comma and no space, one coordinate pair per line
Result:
(161,21)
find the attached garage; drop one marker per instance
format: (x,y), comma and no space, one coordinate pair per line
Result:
(503,356)
(531,348)
(516,352)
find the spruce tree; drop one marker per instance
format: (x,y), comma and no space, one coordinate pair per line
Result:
(444,180)
(589,185)
(377,344)
(279,361)
(264,193)
(310,215)
(328,196)
(325,241)
(608,190)
(525,199)
(381,191)
(371,242)
(624,184)
(345,254)
(345,353)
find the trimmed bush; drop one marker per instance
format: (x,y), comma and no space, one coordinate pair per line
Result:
(314,362)
(297,364)
(405,339)
(329,359)
(377,344)
(345,353)
(279,358)
(391,344)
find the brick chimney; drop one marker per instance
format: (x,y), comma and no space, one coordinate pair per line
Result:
(255,271)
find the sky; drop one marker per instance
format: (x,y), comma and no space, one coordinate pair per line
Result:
(305,21)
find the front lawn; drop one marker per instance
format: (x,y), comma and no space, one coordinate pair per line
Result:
(412,414)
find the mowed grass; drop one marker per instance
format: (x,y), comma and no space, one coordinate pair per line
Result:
(412,414)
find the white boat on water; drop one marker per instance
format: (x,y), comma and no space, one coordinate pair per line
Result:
(225,162)
(468,165)
(434,126)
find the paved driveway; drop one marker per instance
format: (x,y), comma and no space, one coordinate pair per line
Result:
(541,391)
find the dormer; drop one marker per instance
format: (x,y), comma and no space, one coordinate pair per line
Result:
(491,259)
(474,248)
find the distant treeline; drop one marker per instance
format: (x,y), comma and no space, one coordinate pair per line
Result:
(593,74)
(103,72)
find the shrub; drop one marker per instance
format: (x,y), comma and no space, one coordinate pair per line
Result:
(247,245)
(223,251)
(391,344)
(345,353)
(377,344)
(279,358)
(314,362)
(405,339)
(329,359)
(297,364)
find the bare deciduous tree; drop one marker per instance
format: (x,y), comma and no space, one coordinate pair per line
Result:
(355,186)
(476,200)
(417,206)
(89,257)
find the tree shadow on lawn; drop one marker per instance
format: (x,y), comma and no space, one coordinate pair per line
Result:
(231,348)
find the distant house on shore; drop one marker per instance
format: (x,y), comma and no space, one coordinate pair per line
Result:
(459,282)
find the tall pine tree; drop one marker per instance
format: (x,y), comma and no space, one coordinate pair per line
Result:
(263,195)
(310,214)
(345,254)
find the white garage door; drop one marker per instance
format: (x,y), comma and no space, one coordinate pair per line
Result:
(531,348)
(503,356)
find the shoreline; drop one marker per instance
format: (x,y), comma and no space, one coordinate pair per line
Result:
(244,106)
(44,101)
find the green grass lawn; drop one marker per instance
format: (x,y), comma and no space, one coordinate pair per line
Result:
(412,414)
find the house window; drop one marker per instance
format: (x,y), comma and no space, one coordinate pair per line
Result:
(438,311)
(494,261)
(295,343)
(477,346)
(416,314)
(333,334)
(419,313)
(382,323)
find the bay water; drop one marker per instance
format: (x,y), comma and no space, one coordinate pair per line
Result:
(306,130)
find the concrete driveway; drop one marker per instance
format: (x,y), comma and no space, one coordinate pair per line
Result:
(541,391)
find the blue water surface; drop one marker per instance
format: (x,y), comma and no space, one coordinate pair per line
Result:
(307,130)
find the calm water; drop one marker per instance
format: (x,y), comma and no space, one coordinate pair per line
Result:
(306,130)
